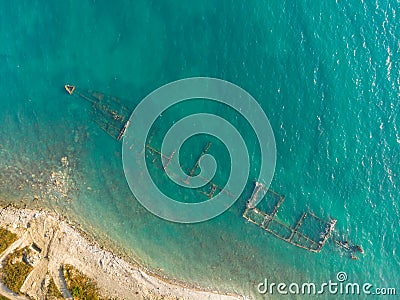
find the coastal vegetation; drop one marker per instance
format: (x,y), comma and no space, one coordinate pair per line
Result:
(6,239)
(52,291)
(80,286)
(3,298)
(15,270)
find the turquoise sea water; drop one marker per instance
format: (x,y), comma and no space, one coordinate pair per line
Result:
(326,74)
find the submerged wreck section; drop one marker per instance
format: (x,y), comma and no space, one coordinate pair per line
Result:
(161,161)
(310,231)
(107,111)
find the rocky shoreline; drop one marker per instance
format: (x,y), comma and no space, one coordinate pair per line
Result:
(61,243)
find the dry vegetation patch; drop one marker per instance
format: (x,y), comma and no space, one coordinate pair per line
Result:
(6,239)
(53,293)
(80,286)
(15,270)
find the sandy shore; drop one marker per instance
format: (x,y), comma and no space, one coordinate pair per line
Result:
(62,244)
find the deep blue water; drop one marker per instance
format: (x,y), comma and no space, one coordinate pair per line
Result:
(326,74)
